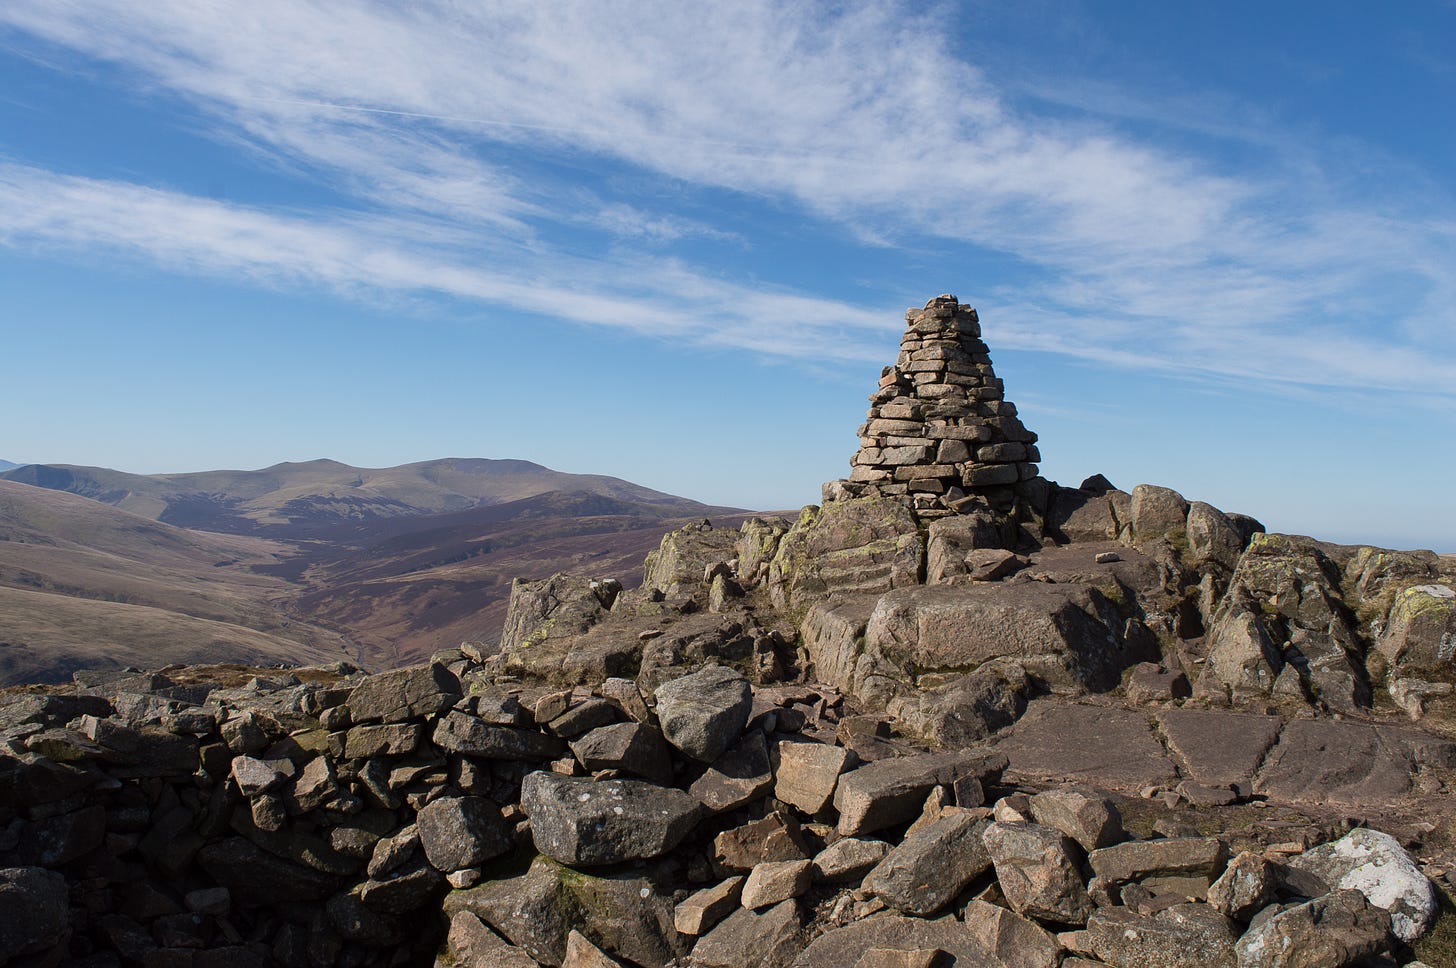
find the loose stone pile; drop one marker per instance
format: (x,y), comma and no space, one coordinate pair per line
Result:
(442,815)
(939,429)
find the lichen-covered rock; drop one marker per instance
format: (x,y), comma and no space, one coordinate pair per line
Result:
(1332,931)
(681,560)
(848,547)
(585,822)
(1246,887)
(703,714)
(557,607)
(967,709)
(1159,512)
(1375,864)
(1421,629)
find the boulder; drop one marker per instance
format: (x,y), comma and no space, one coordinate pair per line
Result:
(772,838)
(967,709)
(679,563)
(702,910)
(774,881)
(1332,931)
(460,732)
(931,866)
(1247,886)
(1083,515)
(1181,936)
(843,947)
(403,694)
(704,713)
(1158,512)
(585,822)
(461,832)
(750,938)
(633,747)
(740,776)
(848,860)
(625,915)
(950,543)
(1067,635)
(1375,864)
(1420,631)
(1012,940)
(1038,871)
(1213,539)
(1181,865)
(473,944)
(1241,656)
(887,792)
(855,546)
(558,607)
(34,910)
(581,953)
(1092,821)
(805,774)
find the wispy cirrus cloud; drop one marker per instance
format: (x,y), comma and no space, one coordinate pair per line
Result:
(1136,253)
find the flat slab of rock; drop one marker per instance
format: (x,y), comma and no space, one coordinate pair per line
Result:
(888,792)
(1185,865)
(402,694)
(750,938)
(932,865)
(707,907)
(775,881)
(843,947)
(1015,941)
(1092,821)
(848,859)
(584,822)
(1182,936)
(739,776)
(1110,748)
(1321,760)
(1217,747)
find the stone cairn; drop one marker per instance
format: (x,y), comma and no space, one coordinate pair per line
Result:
(940,435)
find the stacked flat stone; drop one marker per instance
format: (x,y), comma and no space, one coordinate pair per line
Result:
(939,431)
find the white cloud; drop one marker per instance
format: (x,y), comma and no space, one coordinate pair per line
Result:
(859,115)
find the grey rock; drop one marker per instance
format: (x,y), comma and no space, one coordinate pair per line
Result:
(707,907)
(855,546)
(1012,940)
(256,877)
(1332,931)
(843,947)
(558,607)
(703,714)
(476,946)
(749,939)
(624,915)
(775,881)
(461,832)
(1375,864)
(1185,865)
(1038,872)
(932,865)
(1157,512)
(888,792)
(583,822)
(806,773)
(34,910)
(740,776)
(848,860)
(633,747)
(458,732)
(1092,821)
(1182,936)
(403,694)
(1322,761)
(684,555)
(1247,886)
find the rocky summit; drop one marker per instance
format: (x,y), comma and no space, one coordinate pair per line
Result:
(954,714)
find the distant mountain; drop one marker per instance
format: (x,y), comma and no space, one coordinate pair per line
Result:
(298,499)
(6,465)
(298,562)
(84,584)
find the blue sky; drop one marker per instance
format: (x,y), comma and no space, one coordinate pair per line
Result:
(1213,246)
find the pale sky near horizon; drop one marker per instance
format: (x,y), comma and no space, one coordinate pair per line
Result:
(1213,245)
